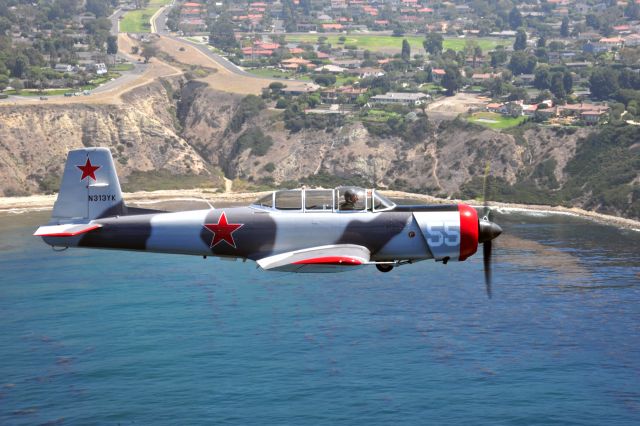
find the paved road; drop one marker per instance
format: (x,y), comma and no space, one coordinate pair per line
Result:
(160,27)
(115,21)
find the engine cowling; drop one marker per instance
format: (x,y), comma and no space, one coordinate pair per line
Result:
(450,234)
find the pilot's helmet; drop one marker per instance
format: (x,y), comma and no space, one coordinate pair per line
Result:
(351,195)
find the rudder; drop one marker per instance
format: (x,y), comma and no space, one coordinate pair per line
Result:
(90,188)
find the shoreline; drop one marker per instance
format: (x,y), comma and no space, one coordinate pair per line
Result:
(34,203)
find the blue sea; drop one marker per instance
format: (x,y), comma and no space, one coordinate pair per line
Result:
(108,337)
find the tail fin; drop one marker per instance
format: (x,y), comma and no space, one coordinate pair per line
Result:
(90,188)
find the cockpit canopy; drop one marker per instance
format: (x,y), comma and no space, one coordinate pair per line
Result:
(341,199)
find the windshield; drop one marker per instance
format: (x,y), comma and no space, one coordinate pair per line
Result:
(380,202)
(266,201)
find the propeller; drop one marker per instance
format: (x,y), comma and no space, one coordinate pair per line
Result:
(487,231)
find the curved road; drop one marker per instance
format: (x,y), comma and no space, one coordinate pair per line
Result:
(159,26)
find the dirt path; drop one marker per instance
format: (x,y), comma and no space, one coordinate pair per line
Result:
(228,184)
(432,150)
(457,104)
(223,79)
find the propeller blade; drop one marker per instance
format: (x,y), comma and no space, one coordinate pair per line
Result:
(486,258)
(485,190)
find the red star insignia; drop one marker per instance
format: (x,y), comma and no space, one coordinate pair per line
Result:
(88,170)
(223,231)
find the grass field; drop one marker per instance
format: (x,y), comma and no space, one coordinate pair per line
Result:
(137,21)
(495,121)
(276,73)
(49,92)
(122,67)
(376,43)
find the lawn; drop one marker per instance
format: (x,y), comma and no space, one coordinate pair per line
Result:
(431,88)
(49,92)
(122,67)
(495,121)
(380,116)
(376,43)
(35,92)
(276,73)
(137,21)
(103,79)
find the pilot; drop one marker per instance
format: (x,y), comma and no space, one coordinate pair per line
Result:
(350,200)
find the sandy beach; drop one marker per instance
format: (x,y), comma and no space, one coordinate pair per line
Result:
(203,198)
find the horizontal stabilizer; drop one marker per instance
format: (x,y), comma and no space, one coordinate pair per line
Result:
(69,230)
(330,258)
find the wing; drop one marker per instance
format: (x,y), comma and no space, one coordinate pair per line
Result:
(331,258)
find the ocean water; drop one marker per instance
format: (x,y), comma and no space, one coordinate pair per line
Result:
(108,337)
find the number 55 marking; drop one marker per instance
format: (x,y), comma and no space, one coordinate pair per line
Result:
(448,234)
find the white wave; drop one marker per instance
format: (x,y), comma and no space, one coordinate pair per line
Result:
(535,212)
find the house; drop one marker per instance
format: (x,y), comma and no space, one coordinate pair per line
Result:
(408,99)
(529,110)
(484,77)
(524,79)
(256,52)
(367,72)
(64,68)
(495,107)
(101,68)
(632,40)
(592,117)
(332,27)
(300,89)
(349,93)
(295,63)
(593,48)
(437,74)
(334,69)
(588,113)
(347,63)
(611,42)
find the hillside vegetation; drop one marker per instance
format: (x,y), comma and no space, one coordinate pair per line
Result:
(169,132)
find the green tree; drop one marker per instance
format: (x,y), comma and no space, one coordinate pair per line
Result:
(603,83)
(222,35)
(149,50)
(515,18)
(452,80)
(398,31)
(406,51)
(19,66)
(324,79)
(100,8)
(593,21)
(567,81)
(564,27)
(542,41)
(542,78)
(498,56)
(496,87)
(632,10)
(433,43)
(112,45)
(522,63)
(521,40)
(4,82)
(557,86)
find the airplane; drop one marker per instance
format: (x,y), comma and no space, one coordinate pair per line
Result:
(300,230)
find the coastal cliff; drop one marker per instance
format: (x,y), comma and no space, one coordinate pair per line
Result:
(181,134)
